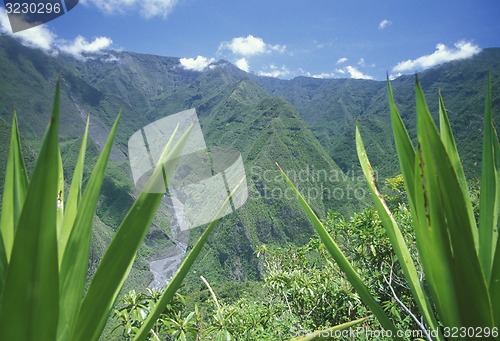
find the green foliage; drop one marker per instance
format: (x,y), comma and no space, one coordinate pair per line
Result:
(135,308)
(344,263)
(45,242)
(456,262)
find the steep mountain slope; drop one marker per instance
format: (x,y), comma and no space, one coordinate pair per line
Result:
(330,107)
(234,113)
(304,124)
(266,132)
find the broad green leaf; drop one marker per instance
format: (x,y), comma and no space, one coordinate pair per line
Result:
(333,332)
(342,262)
(495,287)
(181,273)
(74,196)
(404,147)
(495,273)
(74,263)
(434,252)
(29,308)
(488,233)
(14,190)
(60,196)
(451,148)
(3,268)
(450,232)
(395,236)
(119,257)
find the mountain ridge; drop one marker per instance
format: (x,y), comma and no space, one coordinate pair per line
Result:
(305,124)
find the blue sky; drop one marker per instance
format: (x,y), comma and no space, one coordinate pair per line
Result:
(317,38)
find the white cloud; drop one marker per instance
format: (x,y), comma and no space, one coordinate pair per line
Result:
(40,37)
(342,60)
(147,8)
(242,63)
(361,62)
(384,23)
(274,71)
(79,47)
(393,77)
(443,54)
(324,75)
(250,46)
(355,73)
(322,45)
(197,64)
(345,72)
(153,8)
(36,37)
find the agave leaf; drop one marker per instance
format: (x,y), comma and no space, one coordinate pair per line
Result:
(404,147)
(342,261)
(450,232)
(395,236)
(488,233)
(495,274)
(3,268)
(15,189)
(74,263)
(60,196)
(74,196)
(181,273)
(434,252)
(121,252)
(451,148)
(32,284)
(331,333)
(495,287)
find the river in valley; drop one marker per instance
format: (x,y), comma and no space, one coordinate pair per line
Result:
(165,267)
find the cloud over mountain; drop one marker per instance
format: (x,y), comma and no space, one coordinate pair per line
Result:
(443,54)
(250,46)
(197,64)
(41,37)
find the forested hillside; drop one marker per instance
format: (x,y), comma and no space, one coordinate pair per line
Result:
(304,124)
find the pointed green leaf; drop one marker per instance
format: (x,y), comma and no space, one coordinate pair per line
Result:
(342,262)
(451,148)
(60,197)
(74,196)
(3,268)
(181,273)
(495,274)
(495,287)
(119,257)
(29,308)
(434,251)
(14,190)
(404,147)
(395,237)
(488,233)
(75,261)
(450,238)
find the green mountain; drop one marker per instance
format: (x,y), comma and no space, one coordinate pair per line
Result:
(304,124)
(331,106)
(234,112)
